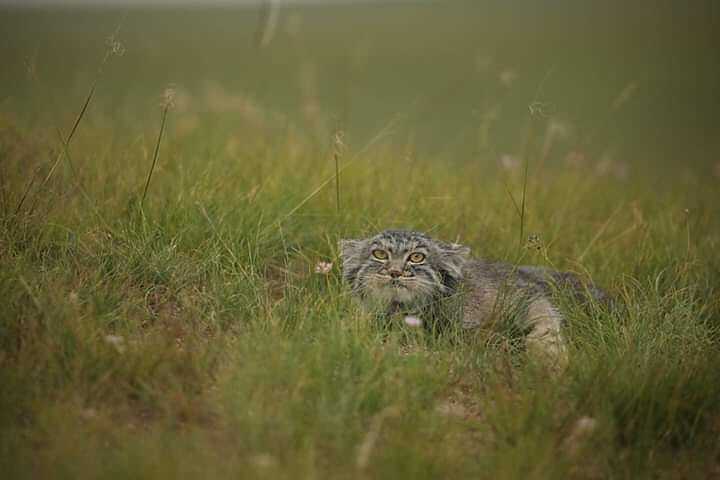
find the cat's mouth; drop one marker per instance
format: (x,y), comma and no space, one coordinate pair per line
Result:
(399,290)
(397,283)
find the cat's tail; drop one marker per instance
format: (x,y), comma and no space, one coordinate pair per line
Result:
(552,281)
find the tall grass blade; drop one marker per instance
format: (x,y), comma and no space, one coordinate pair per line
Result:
(155,153)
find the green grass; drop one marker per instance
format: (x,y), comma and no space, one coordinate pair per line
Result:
(188,335)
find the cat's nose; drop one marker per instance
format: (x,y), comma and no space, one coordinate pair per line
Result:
(395,273)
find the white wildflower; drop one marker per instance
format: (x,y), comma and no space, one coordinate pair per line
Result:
(581,431)
(509,162)
(507,77)
(116,341)
(412,321)
(323,268)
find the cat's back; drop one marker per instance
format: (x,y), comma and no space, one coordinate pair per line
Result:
(483,285)
(527,280)
(480,273)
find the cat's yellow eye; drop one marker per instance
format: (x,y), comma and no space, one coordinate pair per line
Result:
(416,257)
(380,254)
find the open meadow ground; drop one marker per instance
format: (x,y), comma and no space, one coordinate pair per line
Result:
(174,325)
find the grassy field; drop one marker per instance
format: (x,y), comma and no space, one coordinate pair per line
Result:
(167,194)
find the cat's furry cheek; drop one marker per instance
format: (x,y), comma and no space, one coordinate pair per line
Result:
(453,257)
(350,248)
(351,257)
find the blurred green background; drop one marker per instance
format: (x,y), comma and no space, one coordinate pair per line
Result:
(625,82)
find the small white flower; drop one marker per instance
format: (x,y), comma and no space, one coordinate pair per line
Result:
(507,77)
(608,166)
(412,321)
(116,341)
(581,431)
(558,129)
(323,268)
(509,162)
(263,460)
(88,413)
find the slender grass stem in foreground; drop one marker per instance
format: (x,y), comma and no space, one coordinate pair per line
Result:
(168,102)
(338,147)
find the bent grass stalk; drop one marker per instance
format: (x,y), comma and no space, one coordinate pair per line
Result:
(114,48)
(382,133)
(66,144)
(165,108)
(338,147)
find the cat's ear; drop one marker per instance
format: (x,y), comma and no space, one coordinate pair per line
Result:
(453,257)
(458,249)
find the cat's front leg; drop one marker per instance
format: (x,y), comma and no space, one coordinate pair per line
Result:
(546,340)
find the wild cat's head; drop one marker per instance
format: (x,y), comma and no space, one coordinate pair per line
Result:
(402,267)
